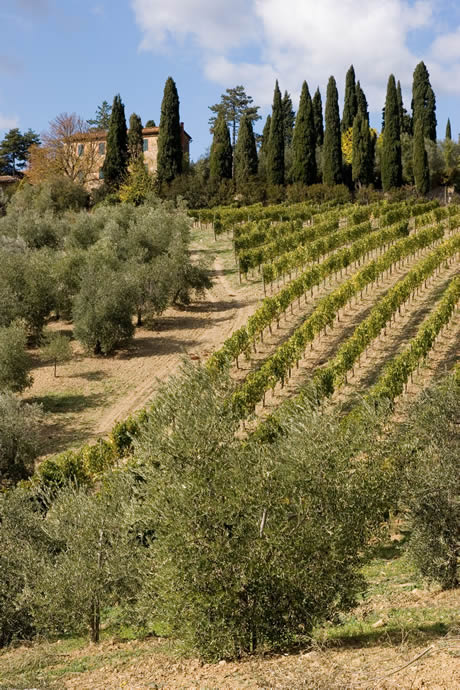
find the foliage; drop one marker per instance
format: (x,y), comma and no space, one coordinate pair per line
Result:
(15,150)
(139,185)
(102,118)
(19,439)
(363,145)
(170,156)
(248,558)
(14,361)
(233,105)
(263,151)
(421,168)
(116,159)
(332,150)
(275,150)
(448,130)
(318,117)
(405,120)
(423,101)
(304,141)
(135,140)
(429,453)
(391,149)
(245,158)
(220,160)
(103,308)
(57,348)
(350,106)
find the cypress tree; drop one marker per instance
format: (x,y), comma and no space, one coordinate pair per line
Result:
(135,139)
(288,119)
(332,151)
(361,102)
(275,153)
(303,142)
(421,168)
(391,149)
(220,160)
(170,155)
(350,106)
(262,167)
(423,101)
(363,151)
(116,160)
(245,159)
(318,117)
(448,130)
(405,120)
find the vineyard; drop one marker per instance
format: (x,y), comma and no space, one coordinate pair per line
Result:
(339,284)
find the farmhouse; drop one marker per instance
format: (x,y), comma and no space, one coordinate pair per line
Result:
(93,145)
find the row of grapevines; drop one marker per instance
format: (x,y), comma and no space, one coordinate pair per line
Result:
(272,308)
(331,377)
(277,367)
(253,258)
(396,374)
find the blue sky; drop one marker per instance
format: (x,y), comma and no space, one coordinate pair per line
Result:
(69,55)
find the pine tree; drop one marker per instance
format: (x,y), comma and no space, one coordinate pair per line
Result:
(391,149)
(423,101)
(275,153)
(448,130)
(116,159)
(245,159)
(332,150)
(102,117)
(363,151)
(303,142)
(234,103)
(263,151)
(350,106)
(318,117)
(220,160)
(135,139)
(170,155)
(361,102)
(421,168)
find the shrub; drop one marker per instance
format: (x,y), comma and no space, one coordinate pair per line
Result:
(19,425)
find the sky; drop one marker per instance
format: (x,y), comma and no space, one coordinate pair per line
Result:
(61,56)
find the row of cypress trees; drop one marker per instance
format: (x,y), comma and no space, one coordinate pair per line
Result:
(308,135)
(125,147)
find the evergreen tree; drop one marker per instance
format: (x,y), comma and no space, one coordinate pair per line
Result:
(303,142)
(421,169)
(150,123)
(405,120)
(14,150)
(318,117)
(275,153)
(363,150)
(245,160)
(170,155)
(102,117)
(263,151)
(332,151)
(116,159)
(350,106)
(448,130)
(423,101)
(288,119)
(234,104)
(361,102)
(391,149)
(220,161)
(135,139)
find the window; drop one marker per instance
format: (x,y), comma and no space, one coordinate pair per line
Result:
(101,148)
(146,144)
(81,149)
(101,174)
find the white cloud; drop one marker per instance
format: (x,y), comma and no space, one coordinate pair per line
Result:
(8,122)
(293,40)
